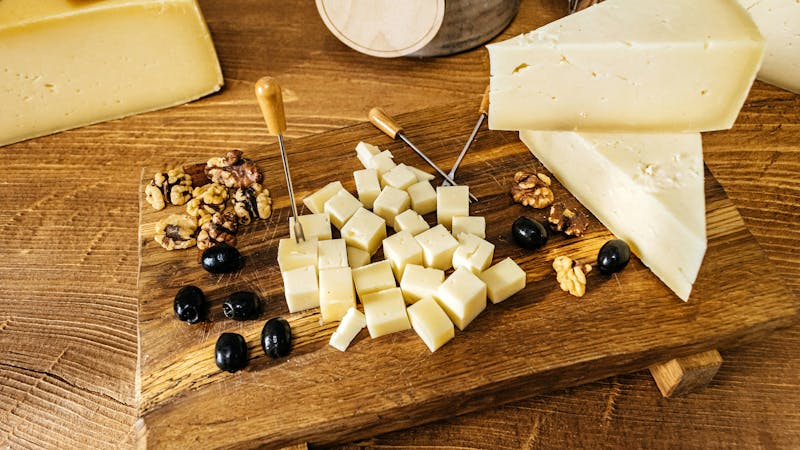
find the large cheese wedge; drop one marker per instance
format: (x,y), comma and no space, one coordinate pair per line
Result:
(628,66)
(646,188)
(68,63)
(779,22)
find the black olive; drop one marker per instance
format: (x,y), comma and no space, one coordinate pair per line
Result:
(276,337)
(230,352)
(221,258)
(241,305)
(529,233)
(613,256)
(190,304)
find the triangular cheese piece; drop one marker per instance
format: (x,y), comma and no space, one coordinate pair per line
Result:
(628,66)
(647,189)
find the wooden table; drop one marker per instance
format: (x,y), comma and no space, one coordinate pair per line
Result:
(69,249)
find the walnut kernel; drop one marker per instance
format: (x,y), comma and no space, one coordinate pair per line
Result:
(573,222)
(221,228)
(207,200)
(233,171)
(176,232)
(571,275)
(172,187)
(532,189)
(251,203)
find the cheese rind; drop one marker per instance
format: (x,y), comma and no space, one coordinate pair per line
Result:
(431,323)
(462,296)
(503,280)
(353,322)
(628,66)
(336,293)
(386,312)
(67,64)
(647,189)
(300,288)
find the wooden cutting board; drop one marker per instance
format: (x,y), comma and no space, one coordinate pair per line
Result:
(541,339)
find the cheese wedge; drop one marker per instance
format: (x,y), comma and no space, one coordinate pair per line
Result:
(69,63)
(779,22)
(628,66)
(646,189)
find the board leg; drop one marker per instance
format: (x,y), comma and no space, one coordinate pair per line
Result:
(680,376)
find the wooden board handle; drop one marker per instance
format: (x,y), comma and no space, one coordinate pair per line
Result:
(384,122)
(484,108)
(268,93)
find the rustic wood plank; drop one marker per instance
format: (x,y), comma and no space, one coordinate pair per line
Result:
(681,376)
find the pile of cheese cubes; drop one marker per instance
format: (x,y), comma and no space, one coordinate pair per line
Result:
(328,273)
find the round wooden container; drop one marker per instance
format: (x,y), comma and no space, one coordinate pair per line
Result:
(422,28)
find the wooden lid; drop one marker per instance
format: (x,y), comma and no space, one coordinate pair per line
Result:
(383,28)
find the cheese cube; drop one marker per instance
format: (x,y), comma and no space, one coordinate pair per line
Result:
(628,66)
(300,288)
(382,162)
(316,201)
(431,323)
(462,296)
(423,197)
(313,225)
(331,254)
(451,201)
(475,225)
(357,257)
(420,174)
(367,186)
(373,277)
(438,246)
(399,177)
(390,203)
(336,294)
(341,207)
(365,151)
(386,312)
(365,231)
(293,254)
(419,282)
(400,249)
(473,253)
(67,64)
(409,220)
(352,323)
(503,280)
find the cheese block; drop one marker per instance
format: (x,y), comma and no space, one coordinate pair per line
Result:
(300,288)
(779,22)
(628,66)
(503,280)
(431,323)
(399,177)
(391,202)
(314,225)
(293,254)
(364,231)
(365,152)
(341,207)
(410,220)
(419,282)
(331,253)
(367,186)
(451,201)
(69,63)
(352,323)
(646,188)
(462,296)
(385,312)
(401,249)
(336,293)
(373,278)
(438,246)
(357,258)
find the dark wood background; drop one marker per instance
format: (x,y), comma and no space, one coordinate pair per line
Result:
(68,252)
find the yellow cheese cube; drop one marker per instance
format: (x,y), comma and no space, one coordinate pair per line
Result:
(336,293)
(314,225)
(419,282)
(386,312)
(462,296)
(420,174)
(400,249)
(352,323)
(473,253)
(503,280)
(365,151)
(451,201)
(399,177)
(423,197)
(373,278)
(475,225)
(367,186)
(293,254)
(67,63)
(410,220)
(431,323)
(390,203)
(438,246)
(316,201)
(382,162)
(331,253)
(357,257)
(365,231)
(300,288)
(341,207)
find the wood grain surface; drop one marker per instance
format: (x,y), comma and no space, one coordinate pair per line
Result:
(69,242)
(540,339)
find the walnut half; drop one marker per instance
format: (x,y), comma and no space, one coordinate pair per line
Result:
(176,232)
(532,189)
(172,187)
(571,275)
(251,203)
(233,171)
(572,222)
(221,228)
